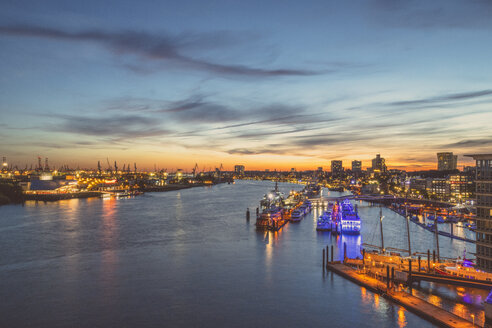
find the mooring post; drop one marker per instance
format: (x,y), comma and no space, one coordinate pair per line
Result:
(428,261)
(324,260)
(419,264)
(393,276)
(344,251)
(257,212)
(452,225)
(247,214)
(363,256)
(332,260)
(327,255)
(387,277)
(433,256)
(409,282)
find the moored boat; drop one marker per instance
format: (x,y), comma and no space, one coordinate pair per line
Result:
(296,215)
(324,222)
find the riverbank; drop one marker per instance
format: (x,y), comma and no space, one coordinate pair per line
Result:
(416,305)
(61,196)
(10,194)
(174,187)
(53,197)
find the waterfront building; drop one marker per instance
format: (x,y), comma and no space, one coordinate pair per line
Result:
(483,190)
(239,170)
(336,168)
(447,161)
(378,164)
(356,166)
(461,187)
(417,186)
(438,188)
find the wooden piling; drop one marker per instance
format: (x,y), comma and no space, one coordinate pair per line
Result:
(428,261)
(327,255)
(344,251)
(324,264)
(419,264)
(409,281)
(387,277)
(247,214)
(332,259)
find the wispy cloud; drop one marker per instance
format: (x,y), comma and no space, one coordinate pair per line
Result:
(453,97)
(130,126)
(432,14)
(157,48)
(471,143)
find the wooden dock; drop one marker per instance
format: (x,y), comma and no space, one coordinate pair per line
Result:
(416,305)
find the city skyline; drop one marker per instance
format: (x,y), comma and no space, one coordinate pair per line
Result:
(296,86)
(346,165)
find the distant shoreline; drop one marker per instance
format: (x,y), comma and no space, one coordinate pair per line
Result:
(93,194)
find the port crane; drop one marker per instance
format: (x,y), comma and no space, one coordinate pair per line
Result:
(195,169)
(109,166)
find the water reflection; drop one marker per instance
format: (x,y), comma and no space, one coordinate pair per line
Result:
(353,243)
(402,321)
(110,223)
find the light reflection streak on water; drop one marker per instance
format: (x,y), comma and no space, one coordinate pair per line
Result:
(376,301)
(353,245)
(365,296)
(109,257)
(71,222)
(402,321)
(179,206)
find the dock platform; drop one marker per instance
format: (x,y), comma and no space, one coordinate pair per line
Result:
(416,305)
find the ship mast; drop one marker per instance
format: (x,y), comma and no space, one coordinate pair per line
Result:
(381,225)
(408,231)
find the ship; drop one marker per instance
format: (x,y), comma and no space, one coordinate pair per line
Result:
(463,268)
(312,190)
(345,218)
(273,198)
(324,222)
(296,215)
(272,216)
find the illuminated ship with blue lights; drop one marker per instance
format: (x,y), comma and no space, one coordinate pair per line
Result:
(346,218)
(324,222)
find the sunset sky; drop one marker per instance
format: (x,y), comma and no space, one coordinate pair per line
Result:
(267,84)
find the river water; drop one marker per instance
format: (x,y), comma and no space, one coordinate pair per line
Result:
(189,258)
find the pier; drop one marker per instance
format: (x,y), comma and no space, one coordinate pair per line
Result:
(451,280)
(416,305)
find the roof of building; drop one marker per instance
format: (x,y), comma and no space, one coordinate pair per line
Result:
(480,156)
